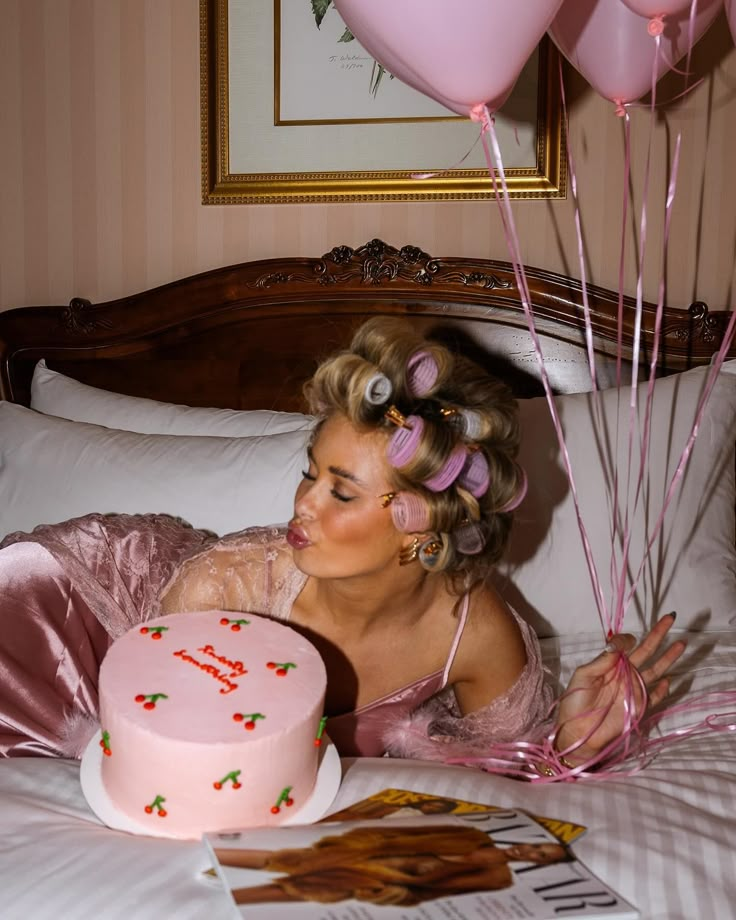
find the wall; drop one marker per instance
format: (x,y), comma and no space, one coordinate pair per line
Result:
(100,180)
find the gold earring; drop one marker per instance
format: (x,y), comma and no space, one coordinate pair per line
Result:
(387,498)
(409,553)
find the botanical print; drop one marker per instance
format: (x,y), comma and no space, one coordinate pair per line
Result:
(319,9)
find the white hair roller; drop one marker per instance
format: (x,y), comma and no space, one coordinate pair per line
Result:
(378,390)
(470,423)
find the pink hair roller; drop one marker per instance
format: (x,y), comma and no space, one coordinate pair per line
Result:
(475,476)
(519,497)
(404,441)
(469,539)
(450,471)
(421,373)
(410,513)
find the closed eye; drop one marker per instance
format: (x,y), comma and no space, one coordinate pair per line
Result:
(339,497)
(335,494)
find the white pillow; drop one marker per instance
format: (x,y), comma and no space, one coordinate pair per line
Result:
(55,394)
(52,469)
(692,566)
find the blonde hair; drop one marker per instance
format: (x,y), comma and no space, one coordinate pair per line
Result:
(384,345)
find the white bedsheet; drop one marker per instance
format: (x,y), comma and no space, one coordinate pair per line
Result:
(665,839)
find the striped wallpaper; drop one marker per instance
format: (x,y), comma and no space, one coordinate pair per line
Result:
(100,176)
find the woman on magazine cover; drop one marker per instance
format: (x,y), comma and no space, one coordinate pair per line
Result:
(387,865)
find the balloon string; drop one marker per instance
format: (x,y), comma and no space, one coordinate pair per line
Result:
(623,599)
(482,114)
(442,172)
(714,370)
(612,492)
(523,759)
(620,339)
(690,40)
(579,237)
(630,511)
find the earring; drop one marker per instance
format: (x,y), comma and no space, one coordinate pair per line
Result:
(409,553)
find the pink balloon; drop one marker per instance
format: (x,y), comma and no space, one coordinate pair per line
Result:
(731,16)
(459,52)
(611,47)
(652,8)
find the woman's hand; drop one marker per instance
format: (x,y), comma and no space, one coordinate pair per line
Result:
(592,711)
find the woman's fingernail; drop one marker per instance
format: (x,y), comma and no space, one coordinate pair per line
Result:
(672,614)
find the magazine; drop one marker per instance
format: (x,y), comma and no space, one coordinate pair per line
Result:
(399,803)
(476,864)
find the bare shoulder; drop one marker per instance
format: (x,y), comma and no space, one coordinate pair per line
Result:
(492,653)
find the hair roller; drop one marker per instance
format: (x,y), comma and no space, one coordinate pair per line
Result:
(470,424)
(433,553)
(469,538)
(378,390)
(410,512)
(514,503)
(422,372)
(475,476)
(451,469)
(404,441)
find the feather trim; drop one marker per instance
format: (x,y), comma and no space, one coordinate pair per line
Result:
(77,731)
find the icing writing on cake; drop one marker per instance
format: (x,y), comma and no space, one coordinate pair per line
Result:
(236,669)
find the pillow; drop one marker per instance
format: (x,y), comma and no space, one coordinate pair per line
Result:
(54,394)
(691,568)
(52,469)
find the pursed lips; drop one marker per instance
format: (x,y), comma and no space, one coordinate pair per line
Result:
(297,537)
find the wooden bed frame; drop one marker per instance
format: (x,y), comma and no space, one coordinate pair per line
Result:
(247,336)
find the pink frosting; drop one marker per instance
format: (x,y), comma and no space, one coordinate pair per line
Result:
(210,722)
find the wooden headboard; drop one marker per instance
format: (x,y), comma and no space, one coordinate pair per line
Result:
(248,335)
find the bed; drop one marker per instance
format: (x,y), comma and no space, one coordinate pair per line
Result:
(108,430)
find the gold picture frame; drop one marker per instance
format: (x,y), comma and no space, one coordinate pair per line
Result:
(545,178)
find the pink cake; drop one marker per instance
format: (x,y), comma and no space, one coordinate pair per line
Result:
(210,721)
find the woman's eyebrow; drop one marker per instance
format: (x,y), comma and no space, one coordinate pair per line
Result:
(345,474)
(338,471)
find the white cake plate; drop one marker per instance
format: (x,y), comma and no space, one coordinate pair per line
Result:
(329,774)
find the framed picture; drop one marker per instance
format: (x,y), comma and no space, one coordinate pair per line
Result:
(295,110)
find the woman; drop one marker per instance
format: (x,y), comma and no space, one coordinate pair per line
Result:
(405,506)
(387,865)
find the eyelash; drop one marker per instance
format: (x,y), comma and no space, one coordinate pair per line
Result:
(333,492)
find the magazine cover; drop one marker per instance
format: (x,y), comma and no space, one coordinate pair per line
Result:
(481,865)
(400,803)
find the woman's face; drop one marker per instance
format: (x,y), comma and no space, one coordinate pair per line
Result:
(340,528)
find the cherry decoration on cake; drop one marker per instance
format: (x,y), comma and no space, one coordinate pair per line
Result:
(157,806)
(281,667)
(235,625)
(320,731)
(149,700)
(105,744)
(283,799)
(231,777)
(248,718)
(156,632)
